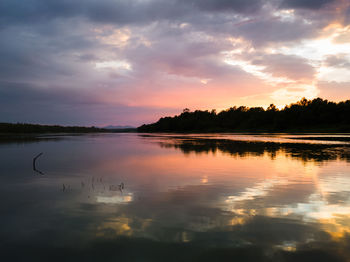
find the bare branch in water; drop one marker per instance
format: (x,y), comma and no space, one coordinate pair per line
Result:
(34,164)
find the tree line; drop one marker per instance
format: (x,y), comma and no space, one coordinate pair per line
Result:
(317,115)
(33,128)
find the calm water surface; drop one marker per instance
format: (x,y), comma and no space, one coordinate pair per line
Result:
(135,197)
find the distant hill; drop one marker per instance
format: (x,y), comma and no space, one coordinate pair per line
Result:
(317,115)
(118,127)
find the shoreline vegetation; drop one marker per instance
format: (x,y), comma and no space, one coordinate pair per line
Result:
(305,116)
(18,129)
(23,128)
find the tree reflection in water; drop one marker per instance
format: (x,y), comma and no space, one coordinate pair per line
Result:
(282,217)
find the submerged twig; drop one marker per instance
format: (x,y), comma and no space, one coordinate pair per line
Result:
(34,164)
(116,188)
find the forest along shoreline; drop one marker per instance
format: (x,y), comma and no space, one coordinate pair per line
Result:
(305,116)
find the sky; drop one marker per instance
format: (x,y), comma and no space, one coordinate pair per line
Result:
(129,62)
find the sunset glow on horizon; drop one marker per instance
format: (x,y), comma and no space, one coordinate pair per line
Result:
(115,62)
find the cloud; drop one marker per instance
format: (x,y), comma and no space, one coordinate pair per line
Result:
(290,66)
(146,53)
(116,11)
(21,102)
(273,30)
(309,4)
(347,16)
(240,6)
(334,91)
(104,11)
(338,61)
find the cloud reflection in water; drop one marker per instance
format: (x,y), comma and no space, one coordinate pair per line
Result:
(266,202)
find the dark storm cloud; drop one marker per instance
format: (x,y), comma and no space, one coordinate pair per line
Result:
(306,4)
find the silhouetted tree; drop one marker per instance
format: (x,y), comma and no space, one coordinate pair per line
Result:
(32,128)
(305,115)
